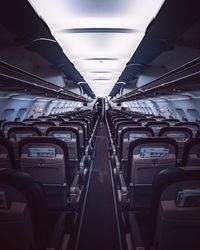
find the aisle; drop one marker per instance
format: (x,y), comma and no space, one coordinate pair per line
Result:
(99,228)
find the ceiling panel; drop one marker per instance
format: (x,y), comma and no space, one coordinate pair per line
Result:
(98,35)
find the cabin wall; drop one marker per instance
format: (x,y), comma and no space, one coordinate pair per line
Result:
(38,108)
(12,108)
(163,108)
(18,107)
(188,109)
(183,106)
(52,106)
(142,106)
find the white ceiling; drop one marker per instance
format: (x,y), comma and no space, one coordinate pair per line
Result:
(98,36)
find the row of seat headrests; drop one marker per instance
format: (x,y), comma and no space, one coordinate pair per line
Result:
(49,122)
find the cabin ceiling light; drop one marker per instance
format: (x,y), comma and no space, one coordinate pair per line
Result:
(110,75)
(98,35)
(93,46)
(100,66)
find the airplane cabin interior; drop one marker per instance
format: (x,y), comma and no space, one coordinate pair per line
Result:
(99,125)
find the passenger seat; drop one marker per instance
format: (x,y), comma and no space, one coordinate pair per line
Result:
(176,209)
(191,153)
(157,126)
(194,126)
(147,157)
(16,134)
(172,221)
(43,125)
(180,134)
(7,125)
(46,160)
(71,137)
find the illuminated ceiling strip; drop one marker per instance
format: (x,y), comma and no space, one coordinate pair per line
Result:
(99,30)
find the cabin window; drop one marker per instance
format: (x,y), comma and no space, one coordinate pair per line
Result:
(8,114)
(181,113)
(193,114)
(20,114)
(53,110)
(150,110)
(140,109)
(146,110)
(57,110)
(143,110)
(62,109)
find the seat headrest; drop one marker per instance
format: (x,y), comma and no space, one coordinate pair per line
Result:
(43,123)
(43,139)
(137,129)
(153,140)
(12,123)
(175,129)
(159,123)
(188,124)
(188,147)
(63,128)
(24,129)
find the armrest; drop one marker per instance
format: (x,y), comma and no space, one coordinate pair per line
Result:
(122,191)
(117,150)
(75,191)
(82,163)
(58,232)
(95,127)
(135,232)
(83,167)
(87,149)
(140,196)
(122,183)
(114,152)
(74,187)
(116,165)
